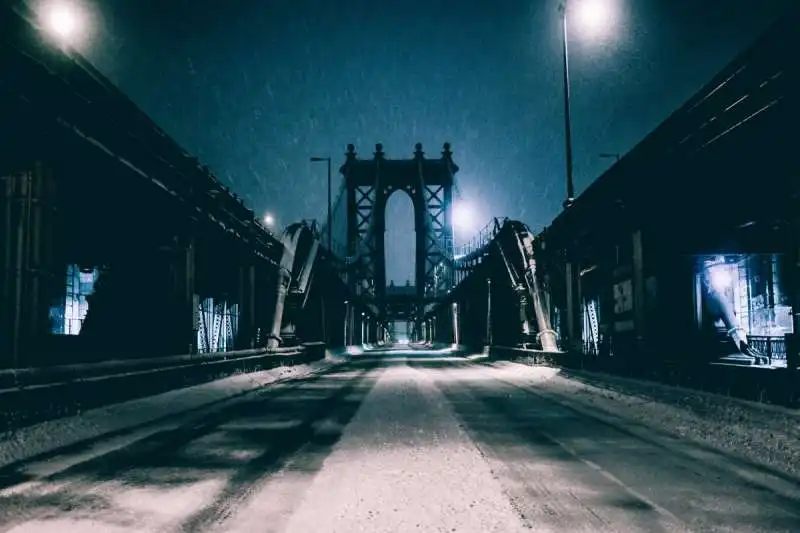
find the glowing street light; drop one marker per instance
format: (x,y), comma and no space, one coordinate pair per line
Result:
(269,220)
(594,15)
(63,19)
(721,277)
(463,216)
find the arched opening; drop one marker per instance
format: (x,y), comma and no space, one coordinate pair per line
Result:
(400,257)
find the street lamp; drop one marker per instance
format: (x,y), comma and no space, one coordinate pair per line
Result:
(594,15)
(567,123)
(63,19)
(269,220)
(463,217)
(330,229)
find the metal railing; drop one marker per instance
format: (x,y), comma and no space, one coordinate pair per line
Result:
(772,347)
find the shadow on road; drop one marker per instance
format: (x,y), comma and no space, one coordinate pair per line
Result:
(577,450)
(236,447)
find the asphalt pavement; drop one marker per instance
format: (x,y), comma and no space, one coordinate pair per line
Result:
(399,442)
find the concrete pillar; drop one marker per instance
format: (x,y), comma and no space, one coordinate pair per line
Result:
(247,309)
(282,290)
(346,325)
(793,339)
(578,301)
(27,269)
(184,266)
(375,328)
(638,289)
(572,312)
(456,325)
(488,311)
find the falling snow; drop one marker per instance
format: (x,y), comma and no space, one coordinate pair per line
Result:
(255,89)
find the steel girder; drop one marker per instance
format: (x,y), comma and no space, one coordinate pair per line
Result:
(369,185)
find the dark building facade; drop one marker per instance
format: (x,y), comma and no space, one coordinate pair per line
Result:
(686,249)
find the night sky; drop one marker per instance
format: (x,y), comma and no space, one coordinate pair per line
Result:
(255,87)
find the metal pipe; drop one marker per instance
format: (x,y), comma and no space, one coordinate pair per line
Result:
(547,335)
(284,279)
(722,308)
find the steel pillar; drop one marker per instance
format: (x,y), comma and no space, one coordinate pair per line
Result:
(488,311)
(282,289)
(247,307)
(571,281)
(27,253)
(639,317)
(188,302)
(369,186)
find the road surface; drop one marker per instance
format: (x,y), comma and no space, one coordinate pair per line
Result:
(398,442)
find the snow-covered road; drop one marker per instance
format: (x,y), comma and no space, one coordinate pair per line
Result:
(398,443)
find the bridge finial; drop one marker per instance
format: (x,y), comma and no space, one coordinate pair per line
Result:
(351,152)
(447,154)
(379,150)
(418,150)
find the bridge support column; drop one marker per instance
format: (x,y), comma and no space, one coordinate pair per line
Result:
(488,311)
(454,314)
(347,341)
(638,291)
(573,317)
(26,272)
(793,339)
(373,330)
(187,300)
(282,289)
(247,308)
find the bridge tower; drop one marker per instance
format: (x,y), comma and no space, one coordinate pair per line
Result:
(368,185)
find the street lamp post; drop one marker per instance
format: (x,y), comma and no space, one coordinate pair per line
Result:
(328,159)
(596,15)
(567,123)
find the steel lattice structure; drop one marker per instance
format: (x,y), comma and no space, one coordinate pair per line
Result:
(368,185)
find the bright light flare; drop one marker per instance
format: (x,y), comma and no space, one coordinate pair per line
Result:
(721,277)
(269,220)
(463,217)
(62,19)
(595,17)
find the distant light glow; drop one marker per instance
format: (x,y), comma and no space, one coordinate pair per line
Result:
(595,17)
(463,217)
(63,20)
(721,277)
(269,220)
